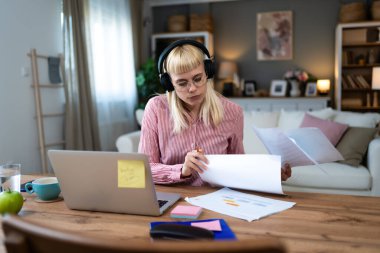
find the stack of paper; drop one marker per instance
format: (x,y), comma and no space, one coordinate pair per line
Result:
(240,205)
(186,212)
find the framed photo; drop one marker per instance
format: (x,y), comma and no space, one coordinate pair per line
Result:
(249,88)
(278,88)
(274,33)
(311,90)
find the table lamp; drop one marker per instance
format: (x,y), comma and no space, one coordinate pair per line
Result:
(375,85)
(323,86)
(228,72)
(227,69)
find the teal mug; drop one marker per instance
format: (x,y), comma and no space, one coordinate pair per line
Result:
(46,188)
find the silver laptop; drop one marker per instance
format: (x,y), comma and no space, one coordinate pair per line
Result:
(108,182)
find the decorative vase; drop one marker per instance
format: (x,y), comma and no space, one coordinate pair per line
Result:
(294,88)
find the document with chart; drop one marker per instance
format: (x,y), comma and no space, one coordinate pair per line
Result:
(240,205)
(300,146)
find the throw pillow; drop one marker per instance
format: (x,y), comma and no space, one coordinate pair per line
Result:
(290,119)
(326,113)
(265,119)
(252,144)
(356,119)
(333,130)
(354,144)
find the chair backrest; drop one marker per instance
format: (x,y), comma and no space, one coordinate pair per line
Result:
(22,236)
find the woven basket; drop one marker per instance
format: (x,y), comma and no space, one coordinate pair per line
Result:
(375,10)
(352,12)
(177,23)
(201,22)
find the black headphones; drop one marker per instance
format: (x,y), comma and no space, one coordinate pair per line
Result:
(165,78)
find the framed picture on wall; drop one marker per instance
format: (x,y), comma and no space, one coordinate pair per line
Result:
(274,33)
(311,89)
(278,88)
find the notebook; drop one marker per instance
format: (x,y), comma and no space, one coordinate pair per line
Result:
(224,234)
(108,182)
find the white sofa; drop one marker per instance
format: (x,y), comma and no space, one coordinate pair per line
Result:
(340,178)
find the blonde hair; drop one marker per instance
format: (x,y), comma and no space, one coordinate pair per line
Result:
(184,59)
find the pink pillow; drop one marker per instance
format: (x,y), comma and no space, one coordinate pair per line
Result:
(333,130)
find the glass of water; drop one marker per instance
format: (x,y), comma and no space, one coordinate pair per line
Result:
(10,177)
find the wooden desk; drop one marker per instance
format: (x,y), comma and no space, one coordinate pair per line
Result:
(317,223)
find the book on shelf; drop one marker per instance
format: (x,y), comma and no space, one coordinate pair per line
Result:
(344,58)
(355,82)
(348,57)
(345,85)
(359,82)
(351,102)
(363,82)
(351,81)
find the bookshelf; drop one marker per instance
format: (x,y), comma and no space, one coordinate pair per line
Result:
(357,53)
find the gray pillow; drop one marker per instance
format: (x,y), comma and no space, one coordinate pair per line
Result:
(354,144)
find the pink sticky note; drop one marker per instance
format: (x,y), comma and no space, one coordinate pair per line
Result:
(186,210)
(210,225)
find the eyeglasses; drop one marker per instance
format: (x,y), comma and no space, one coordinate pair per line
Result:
(184,85)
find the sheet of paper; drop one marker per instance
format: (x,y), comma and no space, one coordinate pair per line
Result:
(130,174)
(277,143)
(314,143)
(245,206)
(250,172)
(210,225)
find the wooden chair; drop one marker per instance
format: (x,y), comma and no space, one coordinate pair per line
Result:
(22,236)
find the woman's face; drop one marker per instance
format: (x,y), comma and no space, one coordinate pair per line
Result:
(191,86)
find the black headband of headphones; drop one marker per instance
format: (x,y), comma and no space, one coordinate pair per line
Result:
(175,44)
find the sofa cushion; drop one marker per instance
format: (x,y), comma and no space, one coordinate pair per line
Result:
(139,113)
(326,113)
(252,144)
(356,119)
(290,119)
(333,130)
(354,144)
(332,175)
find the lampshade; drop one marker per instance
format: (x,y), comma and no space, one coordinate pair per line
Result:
(227,69)
(376,78)
(323,85)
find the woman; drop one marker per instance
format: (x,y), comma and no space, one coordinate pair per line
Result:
(190,120)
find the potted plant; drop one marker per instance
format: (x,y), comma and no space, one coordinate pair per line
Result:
(297,78)
(147,82)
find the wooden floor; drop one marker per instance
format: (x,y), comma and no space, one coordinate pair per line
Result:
(317,223)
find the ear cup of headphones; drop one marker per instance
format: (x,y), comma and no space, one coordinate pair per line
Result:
(209,68)
(166,82)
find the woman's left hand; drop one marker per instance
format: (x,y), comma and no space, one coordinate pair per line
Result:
(286,172)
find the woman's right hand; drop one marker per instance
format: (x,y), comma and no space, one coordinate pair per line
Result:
(194,161)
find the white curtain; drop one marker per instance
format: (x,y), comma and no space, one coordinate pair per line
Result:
(111,67)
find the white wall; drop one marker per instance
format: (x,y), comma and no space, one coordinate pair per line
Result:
(25,24)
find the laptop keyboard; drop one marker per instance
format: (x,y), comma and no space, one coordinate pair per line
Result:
(162,202)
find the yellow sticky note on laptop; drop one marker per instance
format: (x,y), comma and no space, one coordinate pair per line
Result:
(130,174)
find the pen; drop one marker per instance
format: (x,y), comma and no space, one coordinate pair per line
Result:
(198,149)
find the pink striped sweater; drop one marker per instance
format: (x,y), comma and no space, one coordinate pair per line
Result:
(167,150)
